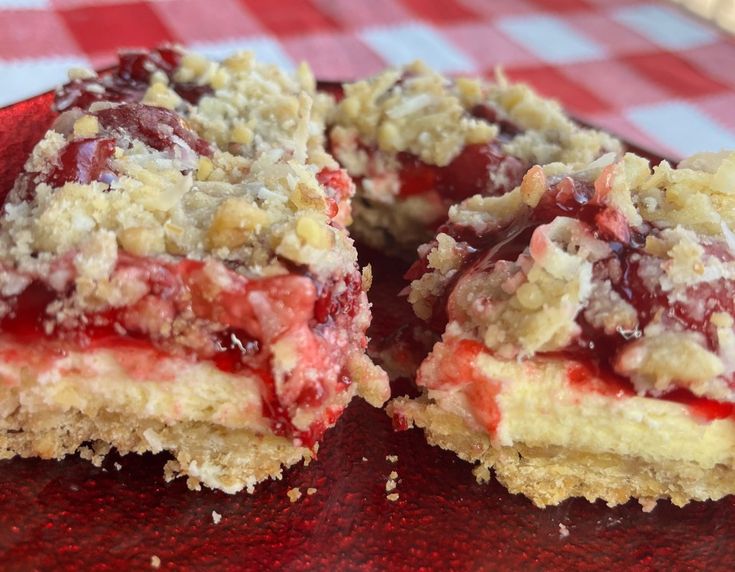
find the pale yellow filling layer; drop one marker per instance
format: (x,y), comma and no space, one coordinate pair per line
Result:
(539,408)
(138,384)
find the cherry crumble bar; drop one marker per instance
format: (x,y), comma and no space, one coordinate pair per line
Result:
(176,275)
(588,323)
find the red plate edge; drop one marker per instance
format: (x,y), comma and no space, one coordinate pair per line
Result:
(69,515)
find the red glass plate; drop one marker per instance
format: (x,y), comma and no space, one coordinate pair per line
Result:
(70,515)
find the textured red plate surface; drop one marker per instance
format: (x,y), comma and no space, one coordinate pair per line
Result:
(71,515)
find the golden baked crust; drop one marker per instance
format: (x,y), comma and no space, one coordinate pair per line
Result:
(549,475)
(207,454)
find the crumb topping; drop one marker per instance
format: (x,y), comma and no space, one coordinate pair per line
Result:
(149,199)
(255,107)
(417,110)
(416,143)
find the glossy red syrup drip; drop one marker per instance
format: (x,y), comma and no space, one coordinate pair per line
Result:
(235,348)
(84,161)
(707,409)
(591,375)
(479,168)
(129,81)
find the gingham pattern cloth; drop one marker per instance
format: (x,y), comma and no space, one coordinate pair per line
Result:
(645,70)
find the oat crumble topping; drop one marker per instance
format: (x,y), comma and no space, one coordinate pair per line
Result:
(418,110)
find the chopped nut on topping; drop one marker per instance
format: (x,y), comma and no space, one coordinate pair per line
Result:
(722,320)
(309,197)
(86,126)
(204,168)
(240,62)
(233,221)
(81,73)
(533,186)
(293,494)
(241,133)
(192,66)
(313,233)
(142,241)
(367,277)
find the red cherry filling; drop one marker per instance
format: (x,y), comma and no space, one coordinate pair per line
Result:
(208,312)
(338,298)
(87,160)
(84,161)
(129,80)
(478,169)
(595,350)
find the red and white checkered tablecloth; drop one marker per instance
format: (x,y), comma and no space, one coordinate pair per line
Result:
(643,69)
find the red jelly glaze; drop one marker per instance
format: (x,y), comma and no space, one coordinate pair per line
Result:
(87,160)
(589,376)
(707,409)
(338,297)
(458,367)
